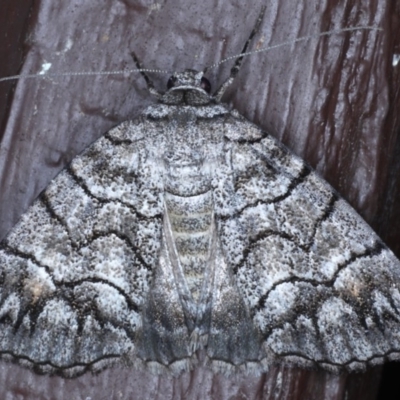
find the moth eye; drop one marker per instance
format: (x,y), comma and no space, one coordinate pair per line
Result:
(205,84)
(171,82)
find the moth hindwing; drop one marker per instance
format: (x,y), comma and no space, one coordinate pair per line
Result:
(190,230)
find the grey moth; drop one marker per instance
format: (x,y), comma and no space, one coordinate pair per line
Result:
(189,236)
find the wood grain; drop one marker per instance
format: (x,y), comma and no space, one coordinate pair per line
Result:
(333,101)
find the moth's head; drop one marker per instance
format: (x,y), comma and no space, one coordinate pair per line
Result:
(188,88)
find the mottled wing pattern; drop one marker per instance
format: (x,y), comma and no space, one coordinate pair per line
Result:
(322,287)
(91,259)
(72,278)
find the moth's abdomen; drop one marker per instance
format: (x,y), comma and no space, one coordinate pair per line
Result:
(191,219)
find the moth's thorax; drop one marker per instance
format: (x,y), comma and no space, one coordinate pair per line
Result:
(187,153)
(187,169)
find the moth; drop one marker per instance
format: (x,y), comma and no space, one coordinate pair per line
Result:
(189,236)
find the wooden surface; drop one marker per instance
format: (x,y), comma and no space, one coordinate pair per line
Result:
(333,101)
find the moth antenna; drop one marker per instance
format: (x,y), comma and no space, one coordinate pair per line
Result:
(85,73)
(300,39)
(239,57)
(235,69)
